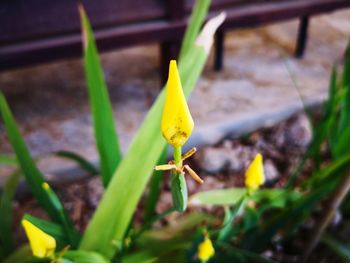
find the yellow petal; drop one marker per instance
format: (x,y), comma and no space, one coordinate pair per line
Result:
(42,244)
(205,250)
(177,122)
(254,176)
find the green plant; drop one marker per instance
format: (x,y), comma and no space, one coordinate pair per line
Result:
(122,194)
(254,219)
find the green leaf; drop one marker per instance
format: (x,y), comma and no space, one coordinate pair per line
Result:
(231,196)
(6,213)
(345,107)
(80,160)
(8,160)
(183,225)
(34,177)
(158,250)
(341,146)
(327,172)
(142,256)
(229,253)
(200,11)
(80,256)
(341,249)
(155,186)
(259,238)
(346,73)
(113,215)
(225,231)
(22,254)
(102,113)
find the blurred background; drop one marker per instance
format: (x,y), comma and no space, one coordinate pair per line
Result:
(270,57)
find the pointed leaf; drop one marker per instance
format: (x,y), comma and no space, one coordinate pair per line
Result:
(101,108)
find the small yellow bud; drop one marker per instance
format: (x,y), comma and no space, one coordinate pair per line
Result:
(42,244)
(254,176)
(177,122)
(205,249)
(45,186)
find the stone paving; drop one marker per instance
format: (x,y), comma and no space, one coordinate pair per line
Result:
(255,89)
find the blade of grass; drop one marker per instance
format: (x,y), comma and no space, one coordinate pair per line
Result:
(80,160)
(133,173)
(200,11)
(85,257)
(327,172)
(225,231)
(22,254)
(34,177)
(231,196)
(341,249)
(325,127)
(154,189)
(345,109)
(245,255)
(8,160)
(6,238)
(259,238)
(102,113)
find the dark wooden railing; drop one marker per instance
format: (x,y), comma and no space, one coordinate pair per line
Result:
(38,31)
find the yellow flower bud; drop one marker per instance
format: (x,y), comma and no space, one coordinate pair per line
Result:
(177,122)
(254,176)
(205,249)
(42,244)
(45,186)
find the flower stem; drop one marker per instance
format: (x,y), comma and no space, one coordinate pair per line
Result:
(178,156)
(178,183)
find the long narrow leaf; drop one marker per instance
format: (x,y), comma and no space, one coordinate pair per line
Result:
(341,249)
(113,215)
(22,254)
(200,11)
(9,189)
(258,239)
(102,113)
(225,231)
(34,177)
(345,110)
(8,160)
(85,257)
(80,160)
(154,190)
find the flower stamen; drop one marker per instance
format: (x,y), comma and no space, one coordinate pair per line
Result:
(181,169)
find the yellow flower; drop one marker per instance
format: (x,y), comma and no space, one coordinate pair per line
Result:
(42,244)
(177,122)
(254,176)
(205,249)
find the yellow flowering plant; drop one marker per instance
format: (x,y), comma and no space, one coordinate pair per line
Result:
(176,126)
(105,235)
(112,235)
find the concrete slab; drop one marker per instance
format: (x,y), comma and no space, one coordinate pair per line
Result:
(255,89)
